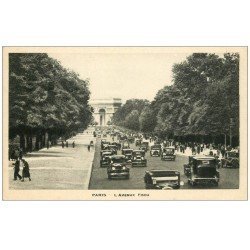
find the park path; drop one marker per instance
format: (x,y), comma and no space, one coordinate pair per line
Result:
(59,168)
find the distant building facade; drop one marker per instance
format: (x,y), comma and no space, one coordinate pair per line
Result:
(104,109)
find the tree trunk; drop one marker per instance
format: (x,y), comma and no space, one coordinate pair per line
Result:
(37,146)
(22,142)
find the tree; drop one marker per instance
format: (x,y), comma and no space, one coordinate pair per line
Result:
(45,99)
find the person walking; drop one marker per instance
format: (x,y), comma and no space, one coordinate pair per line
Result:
(89,148)
(17,169)
(25,169)
(62,144)
(67,144)
(73,144)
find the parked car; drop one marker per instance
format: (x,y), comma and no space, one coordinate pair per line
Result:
(231,159)
(128,154)
(162,179)
(203,170)
(155,150)
(138,158)
(117,167)
(104,162)
(168,153)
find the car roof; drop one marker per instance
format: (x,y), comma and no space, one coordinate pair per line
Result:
(203,158)
(117,156)
(161,171)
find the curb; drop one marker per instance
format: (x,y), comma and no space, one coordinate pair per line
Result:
(90,167)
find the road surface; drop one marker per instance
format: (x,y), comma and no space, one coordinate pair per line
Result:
(99,179)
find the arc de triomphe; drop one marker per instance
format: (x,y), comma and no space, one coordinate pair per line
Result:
(104,109)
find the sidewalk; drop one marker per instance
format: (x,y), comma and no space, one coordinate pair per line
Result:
(57,167)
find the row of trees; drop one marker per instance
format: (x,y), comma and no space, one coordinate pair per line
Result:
(45,100)
(202,102)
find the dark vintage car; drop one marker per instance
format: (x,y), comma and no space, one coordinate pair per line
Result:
(168,153)
(203,170)
(117,144)
(125,145)
(138,142)
(131,139)
(106,151)
(117,167)
(144,146)
(104,162)
(104,144)
(128,154)
(155,150)
(162,179)
(231,159)
(138,158)
(112,148)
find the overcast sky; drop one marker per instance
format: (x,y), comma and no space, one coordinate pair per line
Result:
(122,75)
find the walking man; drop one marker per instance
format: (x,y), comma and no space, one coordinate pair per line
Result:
(62,144)
(67,144)
(16,170)
(73,144)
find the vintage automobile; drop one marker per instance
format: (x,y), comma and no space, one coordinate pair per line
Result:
(162,179)
(117,144)
(131,139)
(112,148)
(106,151)
(144,146)
(155,150)
(231,159)
(138,158)
(128,154)
(104,144)
(125,145)
(203,170)
(117,167)
(168,153)
(104,162)
(138,142)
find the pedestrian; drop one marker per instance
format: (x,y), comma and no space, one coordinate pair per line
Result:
(47,144)
(25,169)
(73,144)
(67,144)
(62,144)
(223,151)
(198,149)
(17,169)
(89,148)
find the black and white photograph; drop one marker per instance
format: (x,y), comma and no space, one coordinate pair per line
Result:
(162,119)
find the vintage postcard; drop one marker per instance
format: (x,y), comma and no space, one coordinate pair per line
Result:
(125,123)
